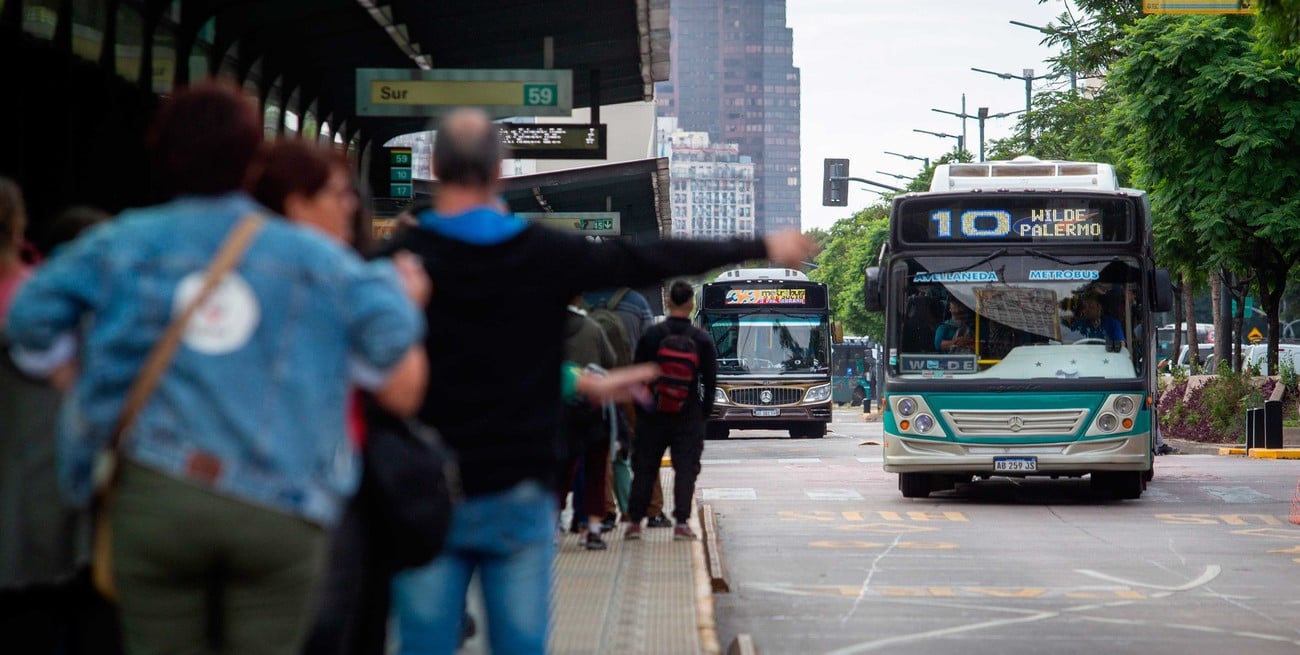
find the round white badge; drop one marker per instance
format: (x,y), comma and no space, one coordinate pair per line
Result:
(225,321)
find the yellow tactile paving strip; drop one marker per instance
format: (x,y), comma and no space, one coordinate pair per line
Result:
(633,597)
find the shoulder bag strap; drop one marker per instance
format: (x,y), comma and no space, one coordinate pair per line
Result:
(614,300)
(231,252)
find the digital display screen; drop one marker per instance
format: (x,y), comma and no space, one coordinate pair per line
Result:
(553,140)
(721,295)
(1009,219)
(766,297)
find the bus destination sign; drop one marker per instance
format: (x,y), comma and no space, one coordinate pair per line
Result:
(766,297)
(1017,220)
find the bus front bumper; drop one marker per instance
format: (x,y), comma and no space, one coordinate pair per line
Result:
(908,455)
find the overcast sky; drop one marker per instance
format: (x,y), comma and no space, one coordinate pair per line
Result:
(872,70)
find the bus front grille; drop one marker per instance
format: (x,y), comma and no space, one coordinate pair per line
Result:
(754,395)
(982,423)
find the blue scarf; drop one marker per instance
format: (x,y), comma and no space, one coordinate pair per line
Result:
(480,226)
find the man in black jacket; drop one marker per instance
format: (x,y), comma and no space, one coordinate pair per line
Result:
(500,288)
(683,431)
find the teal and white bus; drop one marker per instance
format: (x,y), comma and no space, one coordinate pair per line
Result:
(1018,300)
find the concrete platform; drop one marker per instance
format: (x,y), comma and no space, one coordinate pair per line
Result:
(652,595)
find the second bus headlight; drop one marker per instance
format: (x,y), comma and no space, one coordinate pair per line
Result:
(719,396)
(818,394)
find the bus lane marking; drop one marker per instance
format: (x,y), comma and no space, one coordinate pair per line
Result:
(1219,519)
(867,545)
(1288,551)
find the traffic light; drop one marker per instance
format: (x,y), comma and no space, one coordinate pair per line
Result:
(835,183)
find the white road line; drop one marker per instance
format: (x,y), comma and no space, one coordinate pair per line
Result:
(832,494)
(1211,572)
(870,460)
(729,493)
(711,462)
(800,460)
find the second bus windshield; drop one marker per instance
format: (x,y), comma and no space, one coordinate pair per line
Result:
(764,344)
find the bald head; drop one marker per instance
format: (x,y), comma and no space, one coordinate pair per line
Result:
(467,150)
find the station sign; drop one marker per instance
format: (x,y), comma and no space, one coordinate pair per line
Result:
(553,140)
(500,92)
(592,224)
(399,173)
(1198,6)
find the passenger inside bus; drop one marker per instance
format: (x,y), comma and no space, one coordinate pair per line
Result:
(955,335)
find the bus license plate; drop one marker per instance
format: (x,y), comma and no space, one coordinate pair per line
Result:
(1015,464)
(767,411)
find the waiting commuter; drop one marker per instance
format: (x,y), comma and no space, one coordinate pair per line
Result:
(238,461)
(493,273)
(634,311)
(312,186)
(682,430)
(586,428)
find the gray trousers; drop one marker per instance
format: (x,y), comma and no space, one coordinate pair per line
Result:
(202,573)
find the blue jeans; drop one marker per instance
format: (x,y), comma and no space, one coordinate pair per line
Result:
(509,537)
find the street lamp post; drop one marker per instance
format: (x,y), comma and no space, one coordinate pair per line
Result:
(925,160)
(1073,36)
(1029,77)
(983,115)
(961,141)
(909,178)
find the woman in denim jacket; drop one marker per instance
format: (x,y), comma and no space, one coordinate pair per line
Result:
(238,462)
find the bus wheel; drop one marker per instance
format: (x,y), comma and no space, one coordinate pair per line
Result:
(1119,485)
(716,431)
(914,485)
(858,396)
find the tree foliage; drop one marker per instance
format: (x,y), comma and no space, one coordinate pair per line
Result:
(1279,25)
(854,244)
(1210,129)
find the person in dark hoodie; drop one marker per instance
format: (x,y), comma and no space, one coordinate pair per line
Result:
(492,272)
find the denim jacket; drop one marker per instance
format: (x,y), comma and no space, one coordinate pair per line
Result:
(253,403)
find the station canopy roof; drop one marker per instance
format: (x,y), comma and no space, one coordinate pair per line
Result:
(315,47)
(638,190)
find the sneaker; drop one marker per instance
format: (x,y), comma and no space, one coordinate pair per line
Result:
(593,542)
(632,532)
(683,532)
(659,521)
(608,522)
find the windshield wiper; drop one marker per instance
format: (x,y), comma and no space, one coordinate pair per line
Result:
(994,255)
(1059,260)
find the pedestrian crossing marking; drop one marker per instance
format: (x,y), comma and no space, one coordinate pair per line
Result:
(832,494)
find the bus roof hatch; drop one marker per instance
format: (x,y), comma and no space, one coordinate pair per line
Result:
(1024,172)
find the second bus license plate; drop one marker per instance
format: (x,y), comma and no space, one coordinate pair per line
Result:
(765,411)
(1015,464)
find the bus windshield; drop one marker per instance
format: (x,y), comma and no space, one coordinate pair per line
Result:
(770,343)
(1018,317)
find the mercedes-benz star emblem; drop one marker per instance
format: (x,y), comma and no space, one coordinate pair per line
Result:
(766,396)
(1016,423)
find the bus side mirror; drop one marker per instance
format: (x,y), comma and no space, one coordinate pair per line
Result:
(871,289)
(1163,293)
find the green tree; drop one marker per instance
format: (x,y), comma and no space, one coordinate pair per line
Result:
(1209,126)
(1279,25)
(854,244)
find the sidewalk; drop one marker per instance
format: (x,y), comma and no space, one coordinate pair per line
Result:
(648,596)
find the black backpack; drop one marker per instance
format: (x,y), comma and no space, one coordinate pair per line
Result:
(679,360)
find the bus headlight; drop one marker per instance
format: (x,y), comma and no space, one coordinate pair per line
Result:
(1107,422)
(924,423)
(719,396)
(817,394)
(1125,405)
(906,407)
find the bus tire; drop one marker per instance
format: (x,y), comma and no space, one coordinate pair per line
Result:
(858,396)
(914,485)
(716,431)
